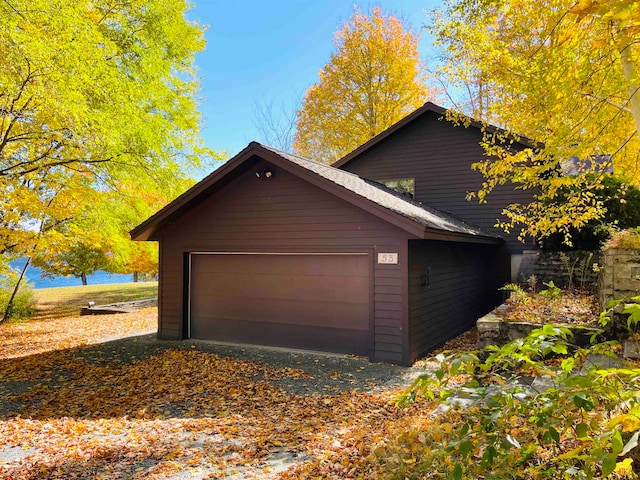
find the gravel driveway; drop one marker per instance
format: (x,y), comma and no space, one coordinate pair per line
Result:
(327,373)
(320,374)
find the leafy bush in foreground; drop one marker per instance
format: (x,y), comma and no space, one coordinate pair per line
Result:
(23,303)
(536,408)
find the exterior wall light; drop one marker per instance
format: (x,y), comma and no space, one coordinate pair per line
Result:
(265,173)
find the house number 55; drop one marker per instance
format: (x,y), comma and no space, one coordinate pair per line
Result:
(388,258)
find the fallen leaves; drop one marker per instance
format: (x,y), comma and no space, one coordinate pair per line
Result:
(38,336)
(155,412)
(576,308)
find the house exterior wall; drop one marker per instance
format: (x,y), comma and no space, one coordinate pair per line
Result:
(286,214)
(450,286)
(439,155)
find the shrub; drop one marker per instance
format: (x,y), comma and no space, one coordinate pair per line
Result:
(622,203)
(579,419)
(629,238)
(552,291)
(23,303)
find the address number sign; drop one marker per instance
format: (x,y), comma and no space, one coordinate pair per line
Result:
(388,258)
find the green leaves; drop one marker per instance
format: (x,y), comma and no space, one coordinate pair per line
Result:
(633,310)
(608,464)
(456,474)
(581,400)
(551,436)
(582,430)
(578,422)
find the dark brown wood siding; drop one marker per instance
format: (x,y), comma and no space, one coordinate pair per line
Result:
(439,155)
(286,214)
(450,286)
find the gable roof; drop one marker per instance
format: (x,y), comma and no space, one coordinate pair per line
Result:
(428,107)
(373,197)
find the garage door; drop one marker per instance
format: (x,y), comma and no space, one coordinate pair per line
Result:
(308,301)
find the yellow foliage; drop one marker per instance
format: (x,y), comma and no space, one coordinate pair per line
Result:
(561,72)
(96,97)
(373,79)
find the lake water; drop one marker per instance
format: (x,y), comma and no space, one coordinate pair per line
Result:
(35,279)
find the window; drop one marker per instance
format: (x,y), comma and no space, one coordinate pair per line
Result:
(401,185)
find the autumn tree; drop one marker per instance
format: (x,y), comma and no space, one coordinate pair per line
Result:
(373,79)
(80,260)
(121,211)
(93,94)
(97,238)
(562,73)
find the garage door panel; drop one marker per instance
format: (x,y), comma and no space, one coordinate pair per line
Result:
(293,336)
(303,301)
(295,312)
(255,264)
(293,287)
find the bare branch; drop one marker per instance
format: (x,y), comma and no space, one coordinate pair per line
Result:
(276,124)
(36,167)
(605,100)
(13,8)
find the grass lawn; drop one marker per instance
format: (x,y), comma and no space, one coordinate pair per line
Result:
(64,301)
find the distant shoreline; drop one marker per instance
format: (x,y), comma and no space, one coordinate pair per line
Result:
(139,282)
(98,278)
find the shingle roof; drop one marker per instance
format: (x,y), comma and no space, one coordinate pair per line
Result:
(370,195)
(385,197)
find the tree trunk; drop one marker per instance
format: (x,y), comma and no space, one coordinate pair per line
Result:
(7,312)
(83,277)
(135,277)
(632,76)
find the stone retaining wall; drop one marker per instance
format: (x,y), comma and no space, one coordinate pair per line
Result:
(620,275)
(495,330)
(563,268)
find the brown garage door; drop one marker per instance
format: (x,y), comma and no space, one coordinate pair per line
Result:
(309,301)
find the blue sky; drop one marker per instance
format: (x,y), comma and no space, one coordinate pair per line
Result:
(263,51)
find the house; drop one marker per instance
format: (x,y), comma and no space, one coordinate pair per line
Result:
(378,255)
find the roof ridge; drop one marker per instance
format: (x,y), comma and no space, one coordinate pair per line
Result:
(358,185)
(429,106)
(299,157)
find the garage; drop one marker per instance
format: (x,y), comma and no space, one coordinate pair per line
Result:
(273,249)
(319,301)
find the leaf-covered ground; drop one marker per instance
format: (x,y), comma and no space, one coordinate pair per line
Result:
(32,337)
(572,307)
(72,407)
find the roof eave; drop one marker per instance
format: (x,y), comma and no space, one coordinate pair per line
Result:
(149,229)
(435,234)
